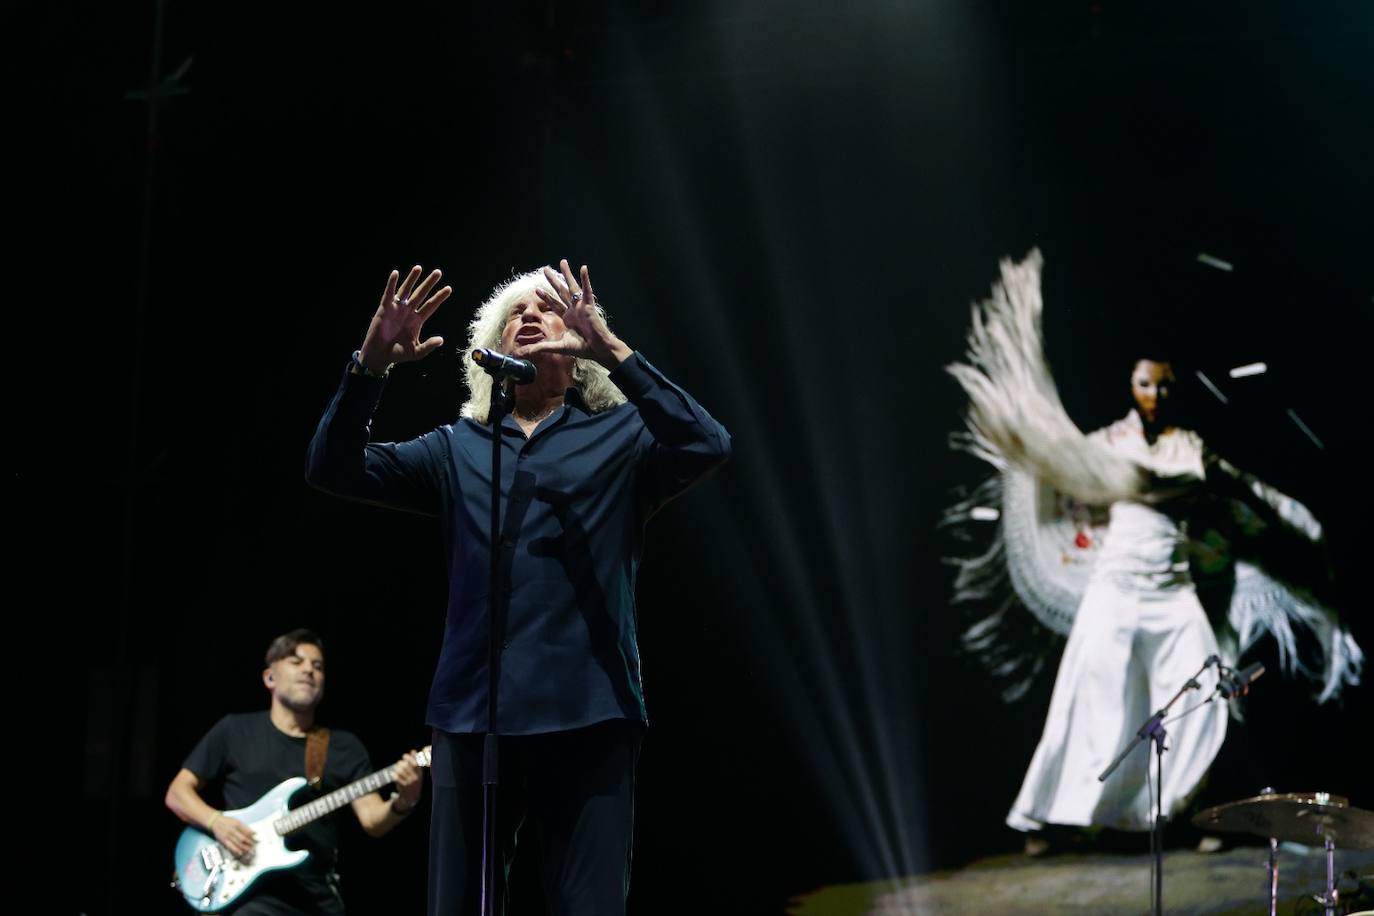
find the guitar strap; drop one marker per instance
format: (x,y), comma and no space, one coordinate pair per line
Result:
(316,749)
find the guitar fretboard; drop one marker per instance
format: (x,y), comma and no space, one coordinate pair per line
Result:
(308,813)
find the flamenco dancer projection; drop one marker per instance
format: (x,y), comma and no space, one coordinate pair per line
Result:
(1105,539)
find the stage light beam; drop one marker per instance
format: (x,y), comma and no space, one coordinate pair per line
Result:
(1205,258)
(1211,387)
(1248,370)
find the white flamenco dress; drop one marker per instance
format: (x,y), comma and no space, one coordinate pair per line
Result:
(1093,540)
(1139,634)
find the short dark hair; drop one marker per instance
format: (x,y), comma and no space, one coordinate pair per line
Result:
(285,645)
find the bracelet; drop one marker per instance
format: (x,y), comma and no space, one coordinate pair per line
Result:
(363,370)
(211,822)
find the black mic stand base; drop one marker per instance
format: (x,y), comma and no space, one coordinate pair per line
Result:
(1153,731)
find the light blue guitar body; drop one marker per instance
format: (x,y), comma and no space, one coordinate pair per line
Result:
(209,876)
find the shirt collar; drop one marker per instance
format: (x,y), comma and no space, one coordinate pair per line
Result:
(573,398)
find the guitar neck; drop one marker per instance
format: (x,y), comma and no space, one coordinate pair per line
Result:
(307,814)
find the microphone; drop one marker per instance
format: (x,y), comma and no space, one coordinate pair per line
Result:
(499,365)
(1237,683)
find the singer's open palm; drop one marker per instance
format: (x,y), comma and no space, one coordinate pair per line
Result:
(587,335)
(394,334)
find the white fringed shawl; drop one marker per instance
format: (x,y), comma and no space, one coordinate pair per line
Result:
(1014,413)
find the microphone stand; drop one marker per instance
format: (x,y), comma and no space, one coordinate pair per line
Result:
(502,399)
(1153,730)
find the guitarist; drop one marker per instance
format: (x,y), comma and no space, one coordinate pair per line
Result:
(245,755)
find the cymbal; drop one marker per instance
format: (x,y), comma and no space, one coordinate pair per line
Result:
(1309,818)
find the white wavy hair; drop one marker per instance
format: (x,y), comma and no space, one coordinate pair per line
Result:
(485,331)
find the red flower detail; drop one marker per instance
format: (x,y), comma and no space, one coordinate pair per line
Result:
(1082,540)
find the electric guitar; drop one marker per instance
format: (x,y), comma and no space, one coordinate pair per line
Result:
(212,879)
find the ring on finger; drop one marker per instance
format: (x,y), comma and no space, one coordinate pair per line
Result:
(576,298)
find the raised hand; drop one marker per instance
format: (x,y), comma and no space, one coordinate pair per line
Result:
(394,334)
(587,335)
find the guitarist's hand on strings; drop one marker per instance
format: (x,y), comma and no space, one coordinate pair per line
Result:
(234,836)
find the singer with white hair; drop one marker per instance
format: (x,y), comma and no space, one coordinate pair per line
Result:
(596,443)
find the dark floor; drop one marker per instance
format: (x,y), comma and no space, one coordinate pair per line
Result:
(1228,883)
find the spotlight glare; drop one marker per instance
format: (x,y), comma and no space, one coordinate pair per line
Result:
(1210,387)
(1249,369)
(1205,258)
(1307,430)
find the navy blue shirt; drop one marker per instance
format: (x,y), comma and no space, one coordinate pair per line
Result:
(576,495)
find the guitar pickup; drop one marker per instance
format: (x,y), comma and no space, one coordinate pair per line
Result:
(212,856)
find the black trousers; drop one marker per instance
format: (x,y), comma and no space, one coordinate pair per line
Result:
(292,893)
(574,789)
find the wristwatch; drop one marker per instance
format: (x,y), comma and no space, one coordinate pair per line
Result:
(358,367)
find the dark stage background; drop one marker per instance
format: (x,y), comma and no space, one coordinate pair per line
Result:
(787,207)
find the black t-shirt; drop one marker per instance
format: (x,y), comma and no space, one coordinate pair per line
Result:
(243,757)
